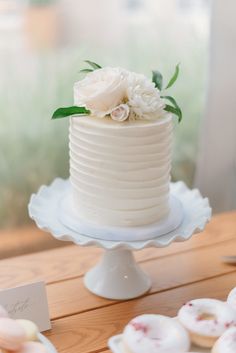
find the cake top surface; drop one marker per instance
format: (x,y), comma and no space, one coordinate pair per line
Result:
(108,123)
(116,94)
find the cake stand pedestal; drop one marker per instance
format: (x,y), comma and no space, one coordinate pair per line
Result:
(117,275)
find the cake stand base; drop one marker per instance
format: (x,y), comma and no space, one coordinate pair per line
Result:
(117,276)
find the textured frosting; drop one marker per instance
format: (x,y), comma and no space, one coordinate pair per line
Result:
(120,172)
(155,333)
(207,317)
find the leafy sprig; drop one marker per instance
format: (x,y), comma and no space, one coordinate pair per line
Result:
(174,77)
(174,108)
(157,79)
(86,70)
(68,111)
(93,66)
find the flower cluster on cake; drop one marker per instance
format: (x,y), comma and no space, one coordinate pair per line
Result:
(120,146)
(121,95)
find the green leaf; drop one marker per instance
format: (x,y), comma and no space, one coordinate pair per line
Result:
(174,77)
(68,111)
(86,70)
(92,64)
(174,110)
(176,106)
(173,101)
(157,79)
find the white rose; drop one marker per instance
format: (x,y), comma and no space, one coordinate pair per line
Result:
(120,113)
(101,90)
(144,98)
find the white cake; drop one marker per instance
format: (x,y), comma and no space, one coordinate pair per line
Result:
(121,132)
(120,171)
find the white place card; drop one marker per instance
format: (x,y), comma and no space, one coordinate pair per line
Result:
(27,302)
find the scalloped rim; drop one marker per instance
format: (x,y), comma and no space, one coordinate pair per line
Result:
(197,215)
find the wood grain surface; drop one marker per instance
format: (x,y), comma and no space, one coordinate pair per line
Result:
(83,322)
(24,240)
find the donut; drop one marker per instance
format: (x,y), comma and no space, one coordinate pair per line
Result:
(155,334)
(226,343)
(31,330)
(12,335)
(32,347)
(231,300)
(206,320)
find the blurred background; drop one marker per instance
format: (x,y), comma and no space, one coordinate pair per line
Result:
(42,47)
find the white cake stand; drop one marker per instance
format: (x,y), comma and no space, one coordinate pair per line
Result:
(117,275)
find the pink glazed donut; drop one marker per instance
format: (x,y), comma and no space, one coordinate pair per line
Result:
(206,320)
(226,343)
(231,300)
(155,334)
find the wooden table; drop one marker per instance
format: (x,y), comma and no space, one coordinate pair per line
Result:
(82,322)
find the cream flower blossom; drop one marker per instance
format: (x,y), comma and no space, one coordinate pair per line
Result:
(120,113)
(120,94)
(143,98)
(101,90)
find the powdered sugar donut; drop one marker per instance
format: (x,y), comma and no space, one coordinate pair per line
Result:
(226,343)
(231,300)
(12,335)
(206,320)
(155,334)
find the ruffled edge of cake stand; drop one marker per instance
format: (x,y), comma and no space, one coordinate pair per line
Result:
(197,213)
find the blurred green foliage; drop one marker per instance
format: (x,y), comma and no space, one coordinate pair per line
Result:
(41,2)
